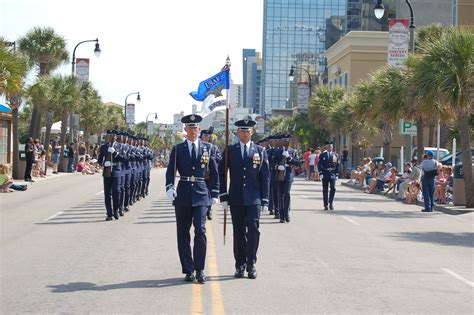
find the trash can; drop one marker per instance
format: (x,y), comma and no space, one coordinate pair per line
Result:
(21,164)
(459,198)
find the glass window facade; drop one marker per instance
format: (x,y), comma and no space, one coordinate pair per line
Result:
(294,33)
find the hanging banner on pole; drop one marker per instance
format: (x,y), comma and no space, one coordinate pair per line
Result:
(398,42)
(302,93)
(130,114)
(149,127)
(82,69)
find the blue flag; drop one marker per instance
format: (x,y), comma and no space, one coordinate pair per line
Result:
(214,86)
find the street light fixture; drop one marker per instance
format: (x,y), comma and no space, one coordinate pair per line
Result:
(379,9)
(379,12)
(291,76)
(97,52)
(125,106)
(146,121)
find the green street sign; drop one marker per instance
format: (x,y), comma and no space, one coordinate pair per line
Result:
(407,128)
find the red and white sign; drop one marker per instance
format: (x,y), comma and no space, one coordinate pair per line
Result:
(398,43)
(130,114)
(82,69)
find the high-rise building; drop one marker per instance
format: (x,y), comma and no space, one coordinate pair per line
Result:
(252,71)
(236,95)
(294,33)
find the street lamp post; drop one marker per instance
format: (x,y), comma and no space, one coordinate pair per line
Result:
(291,77)
(138,100)
(379,11)
(146,121)
(97,52)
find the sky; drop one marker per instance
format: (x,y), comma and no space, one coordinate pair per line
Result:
(162,49)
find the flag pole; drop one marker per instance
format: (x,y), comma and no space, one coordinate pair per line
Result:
(226,152)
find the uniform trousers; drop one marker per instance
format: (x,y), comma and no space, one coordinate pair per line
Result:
(284,198)
(246,223)
(185,216)
(274,194)
(126,189)
(132,186)
(328,182)
(111,196)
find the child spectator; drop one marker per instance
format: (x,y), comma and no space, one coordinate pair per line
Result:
(6,181)
(414,193)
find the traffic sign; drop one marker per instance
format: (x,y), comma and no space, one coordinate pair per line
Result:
(407,128)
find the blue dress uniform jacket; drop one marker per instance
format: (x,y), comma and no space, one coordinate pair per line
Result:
(249,179)
(193,193)
(117,159)
(291,160)
(328,165)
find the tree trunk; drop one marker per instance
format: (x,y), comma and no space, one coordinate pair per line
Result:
(34,119)
(37,130)
(387,134)
(420,126)
(444,133)
(463,123)
(62,141)
(355,140)
(47,137)
(16,157)
(431,135)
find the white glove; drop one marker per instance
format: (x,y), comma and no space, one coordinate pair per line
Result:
(111,150)
(224,205)
(337,177)
(264,208)
(286,154)
(171,194)
(322,176)
(281,167)
(215,200)
(107,163)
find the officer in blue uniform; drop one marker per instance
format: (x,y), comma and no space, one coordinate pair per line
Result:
(272,208)
(198,188)
(284,158)
(150,155)
(247,195)
(206,137)
(126,170)
(110,160)
(121,174)
(133,169)
(328,167)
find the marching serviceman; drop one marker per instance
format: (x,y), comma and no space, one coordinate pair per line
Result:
(197,189)
(110,160)
(121,175)
(328,167)
(284,158)
(206,137)
(247,196)
(133,169)
(272,206)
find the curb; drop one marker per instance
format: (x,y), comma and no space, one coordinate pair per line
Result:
(453,210)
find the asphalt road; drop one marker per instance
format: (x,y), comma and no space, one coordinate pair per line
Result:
(370,255)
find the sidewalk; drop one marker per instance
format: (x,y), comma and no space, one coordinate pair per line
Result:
(49,175)
(448,209)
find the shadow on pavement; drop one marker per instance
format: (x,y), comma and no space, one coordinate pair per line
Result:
(443,238)
(382,214)
(156,222)
(70,222)
(139,284)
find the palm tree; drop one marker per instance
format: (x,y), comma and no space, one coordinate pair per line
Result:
(91,110)
(13,71)
(47,50)
(446,69)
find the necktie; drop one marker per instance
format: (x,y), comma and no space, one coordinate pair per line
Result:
(193,152)
(245,152)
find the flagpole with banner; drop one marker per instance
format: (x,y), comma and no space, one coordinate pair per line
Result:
(226,153)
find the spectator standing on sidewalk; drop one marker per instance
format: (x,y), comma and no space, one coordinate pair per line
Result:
(311,158)
(81,151)
(430,168)
(30,159)
(55,155)
(345,161)
(306,163)
(70,158)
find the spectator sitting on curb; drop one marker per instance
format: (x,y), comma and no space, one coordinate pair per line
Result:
(414,193)
(374,174)
(443,181)
(6,181)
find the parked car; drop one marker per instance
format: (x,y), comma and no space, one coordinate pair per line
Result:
(442,152)
(448,159)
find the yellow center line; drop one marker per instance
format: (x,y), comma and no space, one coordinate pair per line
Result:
(216,293)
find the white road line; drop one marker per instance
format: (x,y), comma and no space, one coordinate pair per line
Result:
(53,216)
(99,193)
(350,220)
(455,275)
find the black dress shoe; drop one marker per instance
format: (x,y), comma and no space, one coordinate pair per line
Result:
(326,208)
(126,209)
(239,273)
(282,220)
(287,219)
(209,215)
(189,277)
(116,215)
(108,219)
(121,213)
(200,276)
(271,212)
(252,273)
(277,216)
(331,207)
